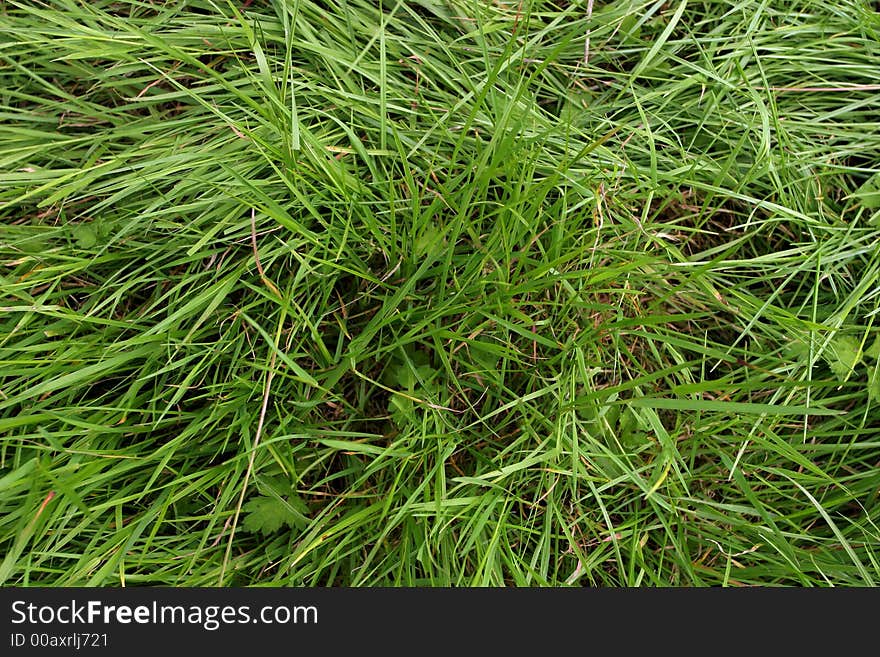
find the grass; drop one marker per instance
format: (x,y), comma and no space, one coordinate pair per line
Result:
(423,294)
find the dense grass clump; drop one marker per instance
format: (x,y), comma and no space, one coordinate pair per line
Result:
(439,293)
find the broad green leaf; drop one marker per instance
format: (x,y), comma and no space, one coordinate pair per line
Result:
(869,193)
(874,350)
(843,355)
(428,242)
(266,515)
(401,410)
(85,235)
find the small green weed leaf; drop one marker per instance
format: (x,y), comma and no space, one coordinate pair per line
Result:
(409,379)
(401,410)
(843,355)
(405,377)
(629,30)
(869,193)
(274,485)
(874,350)
(485,354)
(428,242)
(85,235)
(797,350)
(266,515)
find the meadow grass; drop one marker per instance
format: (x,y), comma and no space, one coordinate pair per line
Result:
(439,293)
